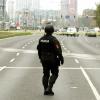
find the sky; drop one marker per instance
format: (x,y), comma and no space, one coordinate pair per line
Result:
(55,4)
(82,4)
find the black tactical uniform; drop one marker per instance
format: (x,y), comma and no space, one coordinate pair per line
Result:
(50,54)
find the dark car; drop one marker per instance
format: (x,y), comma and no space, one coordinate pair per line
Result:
(91,33)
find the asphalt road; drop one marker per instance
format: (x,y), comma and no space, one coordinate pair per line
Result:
(21,70)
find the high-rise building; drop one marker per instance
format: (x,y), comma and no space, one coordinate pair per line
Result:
(27,4)
(68,8)
(64,7)
(11,9)
(72,7)
(35,5)
(27,12)
(69,12)
(2,8)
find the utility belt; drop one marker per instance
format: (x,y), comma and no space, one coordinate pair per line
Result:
(50,58)
(47,56)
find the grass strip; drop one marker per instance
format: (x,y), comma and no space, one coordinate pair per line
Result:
(6,34)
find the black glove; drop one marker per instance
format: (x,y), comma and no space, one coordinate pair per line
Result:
(62,60)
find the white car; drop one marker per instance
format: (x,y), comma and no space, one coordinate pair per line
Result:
(71,30)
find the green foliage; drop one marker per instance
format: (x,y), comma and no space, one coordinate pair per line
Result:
(98,15)
(5,34)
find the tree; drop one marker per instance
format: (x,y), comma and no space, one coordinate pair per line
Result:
(88,12)
(98,15)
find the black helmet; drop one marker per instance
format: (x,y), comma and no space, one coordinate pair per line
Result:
(49,29)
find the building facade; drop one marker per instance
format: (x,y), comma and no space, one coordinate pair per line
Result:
(35,5)
(68,7)
(73,8)
(23,4)
(69,11)
(64,8)
(26,12)
(11,9)
(27,4)
(2,9)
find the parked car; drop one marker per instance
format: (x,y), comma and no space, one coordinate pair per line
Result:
(91,33)
(71,31)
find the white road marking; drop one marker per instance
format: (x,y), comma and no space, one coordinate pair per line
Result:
(82,56)
(18,54)
(19,50)
(68,54)
(23,67)
(77,61)
(1,68)
(23,47)
(61,68)
(29,51)
(68,51)
(97,95)
(12,60)
(74,87)
(63,46)
(78,68)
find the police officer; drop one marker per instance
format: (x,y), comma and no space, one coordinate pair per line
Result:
(50,54)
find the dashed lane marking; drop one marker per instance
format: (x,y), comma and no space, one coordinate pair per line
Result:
(12,60)
(1,68)
(62,46)
(65,47)
(74,87)
(23,47)
(18,50)
(82,56)
(68,54)
(77,61)
(17,54)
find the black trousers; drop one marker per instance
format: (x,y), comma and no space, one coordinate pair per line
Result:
(50,74)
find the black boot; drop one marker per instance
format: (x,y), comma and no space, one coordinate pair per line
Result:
(50,85)
(49,92)
(45,83)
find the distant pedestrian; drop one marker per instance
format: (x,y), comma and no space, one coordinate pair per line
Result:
(50,54)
